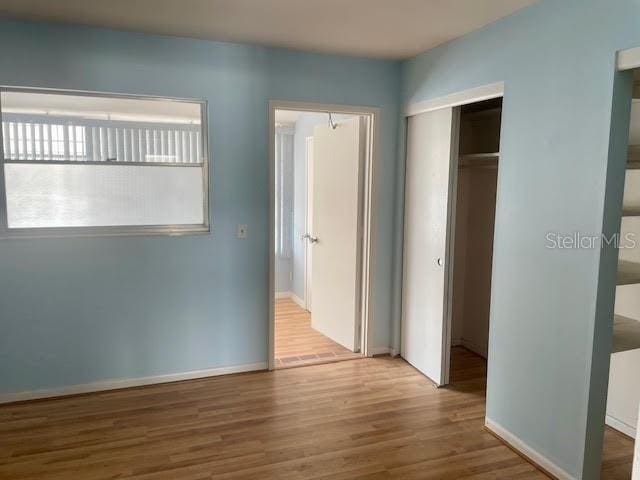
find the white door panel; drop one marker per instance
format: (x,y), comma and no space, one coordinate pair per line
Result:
(425,342)
(337,161)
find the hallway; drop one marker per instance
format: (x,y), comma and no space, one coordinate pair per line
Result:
(297,343)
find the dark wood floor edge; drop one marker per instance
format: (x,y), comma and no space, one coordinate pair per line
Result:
(520,454)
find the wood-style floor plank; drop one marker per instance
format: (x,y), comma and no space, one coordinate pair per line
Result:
(374,419)
(297,343)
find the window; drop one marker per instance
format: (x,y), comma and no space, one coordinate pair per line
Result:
(284,191)
(77,163)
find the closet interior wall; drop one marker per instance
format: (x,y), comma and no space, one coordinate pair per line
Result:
(479,146)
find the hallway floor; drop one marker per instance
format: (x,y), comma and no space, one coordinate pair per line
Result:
(297,343)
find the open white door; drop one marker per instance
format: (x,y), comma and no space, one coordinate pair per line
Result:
(337,160)
(431,147)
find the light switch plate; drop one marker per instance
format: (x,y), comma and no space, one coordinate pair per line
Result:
(241,231)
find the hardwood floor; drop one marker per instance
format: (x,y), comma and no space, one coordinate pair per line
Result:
(296,343)
(617,462)
(368,419)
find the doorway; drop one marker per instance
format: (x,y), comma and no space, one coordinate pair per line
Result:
(450,200)
(321,158)
(623,395)
(474,222)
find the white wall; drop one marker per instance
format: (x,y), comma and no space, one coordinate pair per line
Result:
(624,392)
(474,248)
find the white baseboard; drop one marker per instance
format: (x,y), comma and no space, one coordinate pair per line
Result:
(292,296)
(103,385)
(620,426)
(535,457)
(298,300)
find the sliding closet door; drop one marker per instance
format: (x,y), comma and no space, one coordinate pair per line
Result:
(431,147)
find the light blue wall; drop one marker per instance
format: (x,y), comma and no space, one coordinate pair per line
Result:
(85,309)
(557,60)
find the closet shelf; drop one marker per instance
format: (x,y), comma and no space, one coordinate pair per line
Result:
(484,160)
(473,156)
(628,273)
(626,334)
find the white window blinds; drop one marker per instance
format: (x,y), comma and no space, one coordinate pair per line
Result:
(83,162)
(46,138)
(284,192)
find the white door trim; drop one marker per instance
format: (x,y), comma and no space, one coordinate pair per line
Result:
(472,95)
(628,59)
(308,145)
(367,246)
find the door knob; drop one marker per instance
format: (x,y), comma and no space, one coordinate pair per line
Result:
(311,238)
(439,262)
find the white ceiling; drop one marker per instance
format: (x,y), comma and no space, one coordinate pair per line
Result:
(375,28)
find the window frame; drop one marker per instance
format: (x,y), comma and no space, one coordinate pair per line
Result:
(116,230)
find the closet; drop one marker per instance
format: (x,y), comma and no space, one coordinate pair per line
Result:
(479,146)
(450,198)
(624,381)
